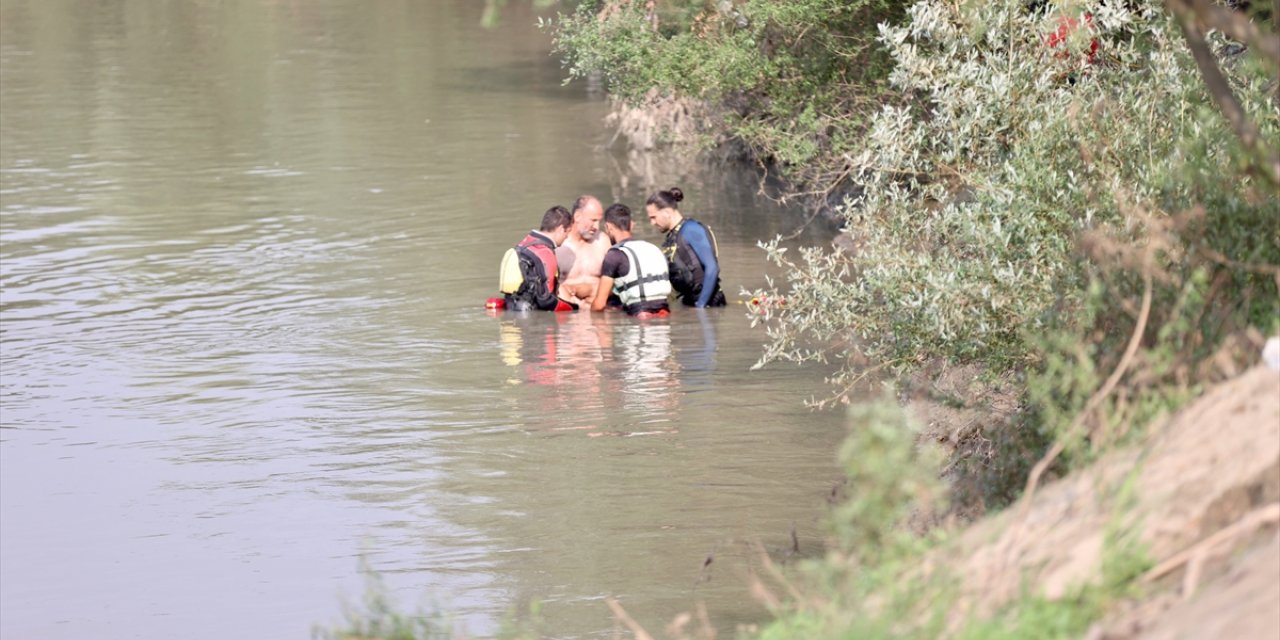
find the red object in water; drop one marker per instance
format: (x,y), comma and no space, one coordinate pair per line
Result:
(661,313)
(1066,26)
(495,304)
(765,301)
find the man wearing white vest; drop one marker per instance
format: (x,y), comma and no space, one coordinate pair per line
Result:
(634,270)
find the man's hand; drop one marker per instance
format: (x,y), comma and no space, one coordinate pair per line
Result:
(578,291)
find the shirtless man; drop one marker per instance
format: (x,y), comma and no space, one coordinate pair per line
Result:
(583,252)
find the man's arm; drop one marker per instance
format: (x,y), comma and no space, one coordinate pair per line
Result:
(602,293)
(544,296)
(565,259)
(545,299)
(613,266)
(701,245)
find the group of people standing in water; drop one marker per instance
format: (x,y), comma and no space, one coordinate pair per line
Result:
(589,258)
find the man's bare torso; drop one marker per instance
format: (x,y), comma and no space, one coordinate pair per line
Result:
(580,283)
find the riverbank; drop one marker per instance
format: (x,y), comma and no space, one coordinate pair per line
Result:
(1174,536)
(1176,530)
(1046,279)
(1014,247)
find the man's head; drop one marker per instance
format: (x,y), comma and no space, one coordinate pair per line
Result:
(617,222)
(587,212)
(556,223)
(663,208)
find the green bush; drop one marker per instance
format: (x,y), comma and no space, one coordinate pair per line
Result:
(795,80)
(889,476)
(979,190)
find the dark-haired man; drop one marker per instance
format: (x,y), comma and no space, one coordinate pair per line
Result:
(690,249)
(634,270)
(534,285)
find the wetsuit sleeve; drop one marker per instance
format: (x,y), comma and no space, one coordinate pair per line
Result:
(699,241)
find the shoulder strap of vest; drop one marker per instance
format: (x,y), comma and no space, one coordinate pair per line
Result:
(538,238)
(532,265)
(675,231)
(641,279)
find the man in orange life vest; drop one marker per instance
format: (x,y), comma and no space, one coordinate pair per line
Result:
(537,253)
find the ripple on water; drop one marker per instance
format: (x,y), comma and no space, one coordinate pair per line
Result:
(242,335)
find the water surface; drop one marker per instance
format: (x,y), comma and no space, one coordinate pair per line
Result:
(244,250)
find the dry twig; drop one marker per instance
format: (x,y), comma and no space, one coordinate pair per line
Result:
(1195,556)
(1033,479)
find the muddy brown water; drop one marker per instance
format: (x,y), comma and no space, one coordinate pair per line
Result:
(245,250)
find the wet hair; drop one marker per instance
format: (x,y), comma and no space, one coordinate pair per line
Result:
(619,216)
(669,199)
(554,218)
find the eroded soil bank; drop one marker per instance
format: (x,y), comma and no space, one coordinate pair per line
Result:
(1202,495)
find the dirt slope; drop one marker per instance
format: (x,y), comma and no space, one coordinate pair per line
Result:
(1205,497)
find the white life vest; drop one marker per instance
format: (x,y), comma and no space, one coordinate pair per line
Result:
(646,280)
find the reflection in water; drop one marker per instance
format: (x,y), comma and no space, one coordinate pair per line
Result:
(702,463)
(697,355)
(531,351)
(606,368)
(647,383)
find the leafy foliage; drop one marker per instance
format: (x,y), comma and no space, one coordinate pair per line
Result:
(977,192)
(795,79)
(1045,188)
(883,581)
(889,476)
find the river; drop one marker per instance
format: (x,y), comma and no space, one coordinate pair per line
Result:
(244,247)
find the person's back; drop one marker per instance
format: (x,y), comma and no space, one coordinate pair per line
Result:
(539,270)
(633,269)
(642,284)
(695,264)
